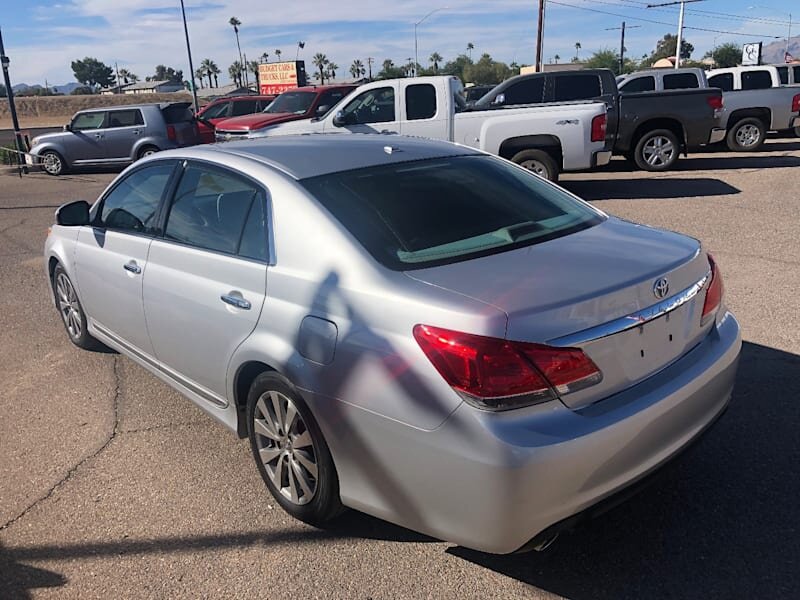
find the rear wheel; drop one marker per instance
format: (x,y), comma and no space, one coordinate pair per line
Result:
(746,135)
(52,163)
(657,150)
(146,151)
(538,161)
(71,311)
(290,452)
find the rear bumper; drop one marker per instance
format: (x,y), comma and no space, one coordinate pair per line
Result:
(495,481)
(717,135)
(601,158)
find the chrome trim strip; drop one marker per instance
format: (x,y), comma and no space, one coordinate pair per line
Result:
(634,319)
(180,380)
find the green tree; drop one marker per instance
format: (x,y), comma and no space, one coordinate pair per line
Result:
(332,68)
(665,48)
(164,73)
(436,58)
(390,71)
(93,73)
(207,66)
(252,66)
(726,55)
(486,71)
(357,69)
(320,61)
(83,90)
(557,58)
(577,51)
(236,73)
(214,70)
(200,74)
(278,54)
(470,48)
(127,76)
(609,59)
(457,66)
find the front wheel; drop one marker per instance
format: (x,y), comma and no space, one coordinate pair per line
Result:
(290,452)
(52,163)
(539,162)
(746,135)
(657,150)
(71,311)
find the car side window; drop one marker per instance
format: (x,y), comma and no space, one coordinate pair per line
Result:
(244,107)
(756,80)
(639,84)
(132,206)
(210,209)
(254,236)
(576,87)
(680,81)
(530,91)
(373,106)
(796,71)
(89,120)
(420,101)
(125,118)
(723,81)
(223,109)
(783,73)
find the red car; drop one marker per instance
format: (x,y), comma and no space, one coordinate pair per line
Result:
(292,105)
(224,108)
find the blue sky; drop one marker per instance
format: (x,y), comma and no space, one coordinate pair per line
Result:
(43,37)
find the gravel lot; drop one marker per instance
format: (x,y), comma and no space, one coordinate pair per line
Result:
(113,486)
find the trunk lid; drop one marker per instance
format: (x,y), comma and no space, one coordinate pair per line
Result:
(582,289)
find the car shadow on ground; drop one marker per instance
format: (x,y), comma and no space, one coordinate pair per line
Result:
(721,522)
(713,162)
(662,188)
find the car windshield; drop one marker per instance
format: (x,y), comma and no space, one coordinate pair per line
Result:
(425,213)
(292,102)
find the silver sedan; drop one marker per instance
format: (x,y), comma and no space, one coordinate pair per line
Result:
(412,329)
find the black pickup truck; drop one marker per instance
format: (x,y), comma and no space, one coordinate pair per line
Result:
(649,128)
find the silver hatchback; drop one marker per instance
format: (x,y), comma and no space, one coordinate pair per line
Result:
(413,329)
(115,135)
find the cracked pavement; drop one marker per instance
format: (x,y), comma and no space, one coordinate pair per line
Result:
(113,485)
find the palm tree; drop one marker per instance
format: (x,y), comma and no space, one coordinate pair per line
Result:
(234,22)
(388,64)
(215,72)
(557,57)
(278,53)
(265,58)
(357,69)
(332,67)
(320,61)
(236,71)
(577,48)
(200,74)
(252,66)
(435,58)
(207,66)
(128,77)
(470,48)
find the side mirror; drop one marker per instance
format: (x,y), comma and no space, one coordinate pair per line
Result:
(321,110)
(499,99)
(67,127)
(339,120)
(73,213)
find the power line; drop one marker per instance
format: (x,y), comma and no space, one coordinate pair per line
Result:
(605,12)
(712,14)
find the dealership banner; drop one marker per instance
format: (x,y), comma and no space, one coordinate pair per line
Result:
(275,78)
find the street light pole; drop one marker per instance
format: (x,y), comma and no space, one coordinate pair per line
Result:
(540,36)
(418,23)
(683,4)
(191,66)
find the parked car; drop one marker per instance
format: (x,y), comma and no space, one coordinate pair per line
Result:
(649,129)
(292,105)
(546,139)
(414,329)
(224,108)
(751,106)
(115,135)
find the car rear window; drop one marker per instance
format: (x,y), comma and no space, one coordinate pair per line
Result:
(575,87)
(680,81)
(756,80)
(177,113)
(425,213)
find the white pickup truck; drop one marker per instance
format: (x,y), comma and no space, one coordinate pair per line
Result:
(754,99)
(546,139)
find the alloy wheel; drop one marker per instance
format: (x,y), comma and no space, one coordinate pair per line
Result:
(748,135)
(52,163)
(68,305)
(285,447)
(658,151)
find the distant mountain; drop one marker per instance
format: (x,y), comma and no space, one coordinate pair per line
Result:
(773,53)
(65,88)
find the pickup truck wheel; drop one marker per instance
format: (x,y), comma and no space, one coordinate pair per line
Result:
(657,150)
(746,135)
(538,161)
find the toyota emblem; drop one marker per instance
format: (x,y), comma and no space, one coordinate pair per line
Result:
(661,288)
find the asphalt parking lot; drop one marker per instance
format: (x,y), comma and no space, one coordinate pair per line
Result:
(113,486)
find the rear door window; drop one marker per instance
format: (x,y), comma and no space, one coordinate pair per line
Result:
(210,209)
(680,81)
(132,206)
(639,84)
(756,80)
(420,102)
(575,87)
(530,91)
(783,73)
(125,118)
(89,120)
(723,81)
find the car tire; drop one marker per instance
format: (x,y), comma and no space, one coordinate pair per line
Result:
(145,152)
(539,162)
(747,135)
(71,311)
(301,478)
(657,150)
(52,163)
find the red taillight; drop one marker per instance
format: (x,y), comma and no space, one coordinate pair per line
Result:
(599,128)
(796,103)
(714,293)
(715,102)
(171,133)
(501,374)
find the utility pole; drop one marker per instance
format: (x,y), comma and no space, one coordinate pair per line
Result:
(370,60)
(622,44)
(683,4)
(191,66)
(540,36)
(4,60)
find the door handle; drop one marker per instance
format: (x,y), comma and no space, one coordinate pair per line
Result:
(136,132)
(235,299)
(98,136)
(132,267)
